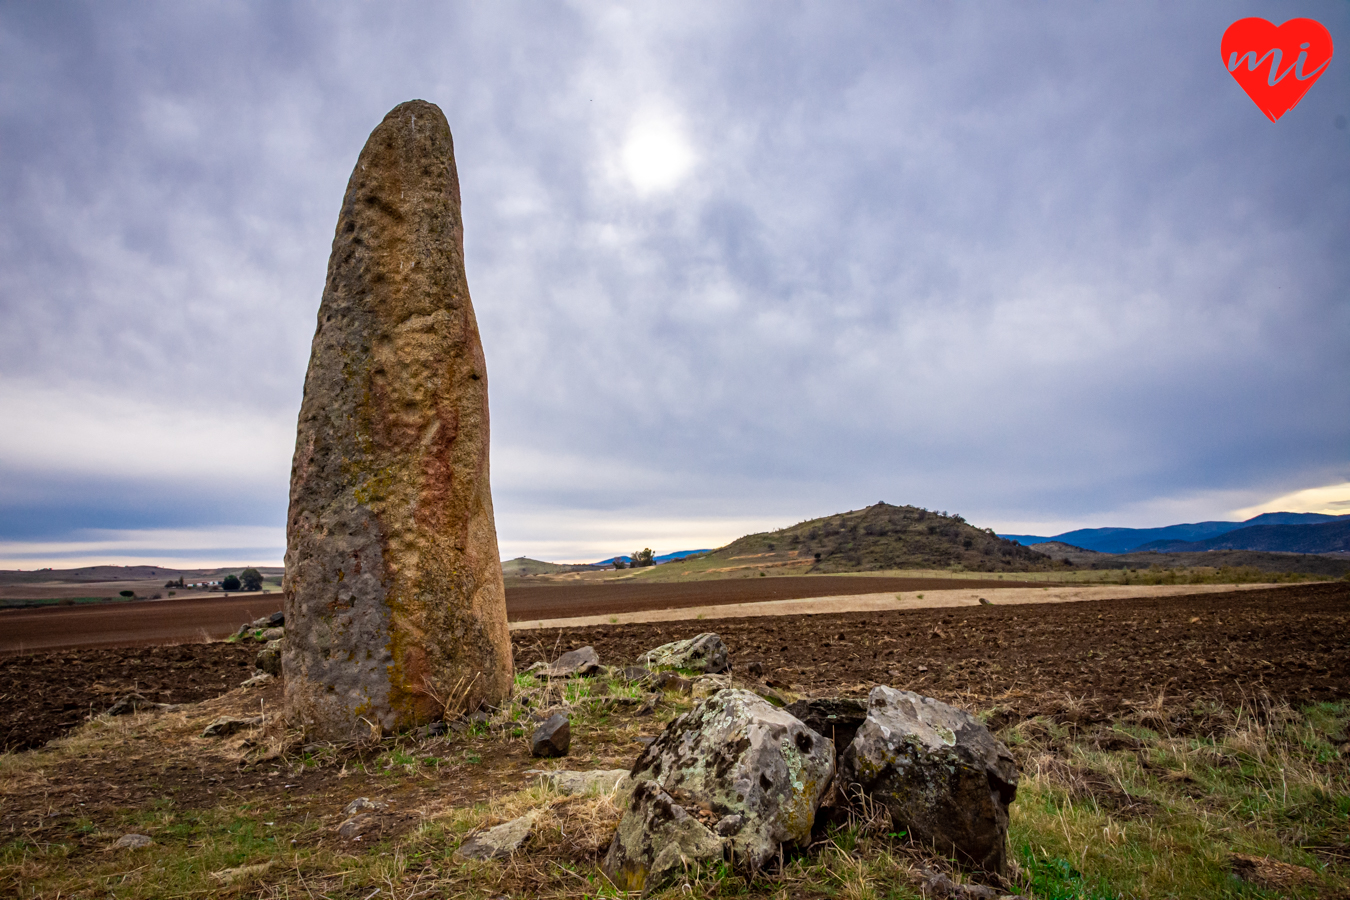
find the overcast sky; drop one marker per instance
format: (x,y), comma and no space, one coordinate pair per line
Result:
(735,265)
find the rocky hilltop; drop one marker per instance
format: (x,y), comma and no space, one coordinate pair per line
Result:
(883,536)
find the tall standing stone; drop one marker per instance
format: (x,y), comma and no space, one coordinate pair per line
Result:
(395,608)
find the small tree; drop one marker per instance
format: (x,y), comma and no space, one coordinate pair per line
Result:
(252,579)
(127,594)
(644,557)
(618,563)
(230,583)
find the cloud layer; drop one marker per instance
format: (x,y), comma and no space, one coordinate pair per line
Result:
(734,265)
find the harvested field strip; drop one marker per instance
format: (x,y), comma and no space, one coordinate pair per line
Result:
(198,619)
(885,602)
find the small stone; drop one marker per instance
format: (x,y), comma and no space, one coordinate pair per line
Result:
(703,653)
(755,669)
(705,686)
(599,781)
(269,659)
(130,703)
(499,842)
(363,804)
(553,737)
(268,635)
(228,725)
(669,681)
(132,842)
(275,620)
(574,662)
(435,729)
(357,825)
(634,673)
(984,602)
(262,679)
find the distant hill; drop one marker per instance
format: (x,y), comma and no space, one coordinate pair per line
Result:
(95,574)
(663,558)
(1125,540)
(1326,537)
(523,565)
(885,537)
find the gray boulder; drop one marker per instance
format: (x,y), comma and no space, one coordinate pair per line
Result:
(574,662)
(704,653)
(269,659)
(598,781)
(553,737)
(499,842)
(738,764)
(941,774)
(657,838)
(131,842)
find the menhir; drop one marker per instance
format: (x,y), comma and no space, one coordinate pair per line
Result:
(395,609)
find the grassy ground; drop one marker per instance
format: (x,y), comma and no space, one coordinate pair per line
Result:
(1167,801)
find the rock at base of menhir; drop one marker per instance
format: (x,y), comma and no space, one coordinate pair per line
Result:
(704,653)
(394,604)
(269,659)
(749,773)
(553,737)
(941,774)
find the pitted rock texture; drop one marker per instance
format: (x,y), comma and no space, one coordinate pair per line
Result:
(703,653)
(657,838)
(941,774)
(753,772)
(394,604)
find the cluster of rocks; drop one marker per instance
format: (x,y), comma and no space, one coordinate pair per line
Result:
(270,631)
(738,778)
(659,671)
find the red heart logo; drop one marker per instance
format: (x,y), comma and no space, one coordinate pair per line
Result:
(1276,66)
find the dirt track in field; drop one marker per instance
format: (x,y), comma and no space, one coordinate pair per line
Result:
(1080,662)
(193,620)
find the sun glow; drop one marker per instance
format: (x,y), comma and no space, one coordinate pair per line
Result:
(656,156)
(1332,499)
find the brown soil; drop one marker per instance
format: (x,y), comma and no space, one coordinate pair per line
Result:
(43,695)
(1088,658)
(1075,663)
(190,620)
(530,602)
(1292,643)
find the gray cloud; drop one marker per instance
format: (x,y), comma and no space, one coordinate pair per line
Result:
(1033,263)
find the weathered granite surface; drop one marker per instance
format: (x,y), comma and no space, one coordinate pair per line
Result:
(394,603)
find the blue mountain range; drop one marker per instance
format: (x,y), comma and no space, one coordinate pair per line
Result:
(664,557)
(1126,540)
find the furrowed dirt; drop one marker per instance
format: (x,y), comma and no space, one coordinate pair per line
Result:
(196,619)
(1083,659)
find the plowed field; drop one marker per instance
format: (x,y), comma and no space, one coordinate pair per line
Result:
(1081,661)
